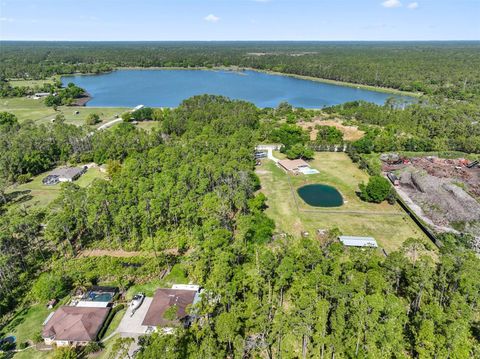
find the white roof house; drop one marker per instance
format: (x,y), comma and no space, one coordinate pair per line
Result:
(352,241)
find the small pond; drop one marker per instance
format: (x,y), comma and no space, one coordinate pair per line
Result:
(320,195)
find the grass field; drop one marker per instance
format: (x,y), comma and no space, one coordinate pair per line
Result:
(30,109)
(27,323)
(35,193)
(388,224)
(31,83)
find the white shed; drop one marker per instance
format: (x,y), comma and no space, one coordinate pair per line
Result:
(352,241)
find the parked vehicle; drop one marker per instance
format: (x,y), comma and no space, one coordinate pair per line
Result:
(137,301)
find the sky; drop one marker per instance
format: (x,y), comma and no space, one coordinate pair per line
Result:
(173,20)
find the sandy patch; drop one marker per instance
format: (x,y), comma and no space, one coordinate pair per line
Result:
(350,133)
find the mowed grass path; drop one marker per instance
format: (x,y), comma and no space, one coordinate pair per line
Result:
(387,223)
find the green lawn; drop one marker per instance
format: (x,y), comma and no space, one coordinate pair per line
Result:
(27,323)
(148,125)
(35,193)
(30,83)
(388,224)
(107,350)
(31,353)
(176,276)
(29,109)
(115,322)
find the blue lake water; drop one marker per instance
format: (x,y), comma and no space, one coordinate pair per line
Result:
(168,88)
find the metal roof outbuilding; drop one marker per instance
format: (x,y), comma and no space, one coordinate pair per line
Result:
(352,241)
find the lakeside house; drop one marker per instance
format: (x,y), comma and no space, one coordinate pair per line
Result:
(170,307)
(353,241)
(74,326)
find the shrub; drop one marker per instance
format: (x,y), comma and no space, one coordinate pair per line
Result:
(92,119)
(171,313)
(49,286)
(24,178)
(92,347)
(377,190)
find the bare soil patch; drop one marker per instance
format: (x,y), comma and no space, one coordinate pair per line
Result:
(350,133)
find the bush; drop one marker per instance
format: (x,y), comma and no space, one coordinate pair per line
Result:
(49,286)
(299,151)
(24,178)
(92,347)
(92,119)
(377,190)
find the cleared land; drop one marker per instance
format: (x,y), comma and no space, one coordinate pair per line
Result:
(350,133)
(35,193)
(29,109)
(388,224)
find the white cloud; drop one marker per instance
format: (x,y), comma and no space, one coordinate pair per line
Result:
(211,18)
(391,3)
(6,19)
(413,5)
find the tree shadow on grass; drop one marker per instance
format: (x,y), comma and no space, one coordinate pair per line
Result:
(19,196)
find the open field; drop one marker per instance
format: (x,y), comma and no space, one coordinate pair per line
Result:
(32,83)
(27,323)
(35,193)
(30,109)
(387,223)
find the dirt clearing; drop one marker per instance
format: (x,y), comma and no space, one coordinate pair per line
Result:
(350,133)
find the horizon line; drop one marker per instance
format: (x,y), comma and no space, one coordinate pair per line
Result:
(431,40)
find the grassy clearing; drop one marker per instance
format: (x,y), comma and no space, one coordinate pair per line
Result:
(29,109)
(388,224)
(176,276)
(27,323)
(115,322)
(31,83)
(148,125)
(31,353)
(35,193)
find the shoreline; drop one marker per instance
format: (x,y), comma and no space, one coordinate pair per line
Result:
(270,72)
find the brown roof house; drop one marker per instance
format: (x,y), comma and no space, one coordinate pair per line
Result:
(170,308)
(74,325)
(293,165)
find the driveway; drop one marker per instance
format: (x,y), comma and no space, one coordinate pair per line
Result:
(131,325)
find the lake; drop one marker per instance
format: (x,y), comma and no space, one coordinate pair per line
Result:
(320,195)
(168,88)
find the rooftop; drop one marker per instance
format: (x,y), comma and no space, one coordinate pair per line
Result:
(163,300)
(352,241)
(293,165)
(76,324)
(67,172)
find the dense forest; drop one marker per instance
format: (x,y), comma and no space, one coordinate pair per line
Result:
(190,185)
(449,69)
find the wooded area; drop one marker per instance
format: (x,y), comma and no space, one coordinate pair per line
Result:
(449,69)
(190,185)
(186,193)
